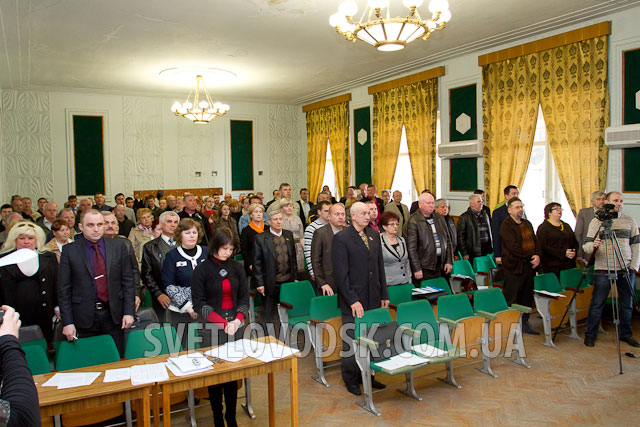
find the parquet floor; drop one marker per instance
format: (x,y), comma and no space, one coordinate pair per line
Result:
(574,385)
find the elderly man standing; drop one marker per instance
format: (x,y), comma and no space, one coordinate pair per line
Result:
(585,216)
(474,230)
(50,214)
(362,285)
(128,212)
(321,247)
(443,207)
(428,242)
(520,258)
(124,224)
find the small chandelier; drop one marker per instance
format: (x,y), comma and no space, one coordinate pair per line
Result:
(384,32)
(200,109)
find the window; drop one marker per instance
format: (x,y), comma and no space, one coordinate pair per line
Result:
(329,176)
(541,183)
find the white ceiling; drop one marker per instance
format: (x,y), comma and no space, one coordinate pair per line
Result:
(283,51)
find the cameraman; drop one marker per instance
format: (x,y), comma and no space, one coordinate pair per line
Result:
(626,232)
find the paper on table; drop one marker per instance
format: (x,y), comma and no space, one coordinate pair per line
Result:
(401,360)
(113,375)
(275,351)
(178,373)
(69,380)
(228,352)
(552,294)
(191,362)
(144,374)
(428,350)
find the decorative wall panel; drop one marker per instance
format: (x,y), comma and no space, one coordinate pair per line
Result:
(195,153)
(287,148)
(26,144)
(143,144)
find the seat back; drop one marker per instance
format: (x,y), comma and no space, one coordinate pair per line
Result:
(483,264)
(547,282)
(400,293)
(152,342)
(36,359)
(438,282)
(490,300)
(30,333)
(299,295)
(419,315)
(571,277)
(370,318)
(463,268)
(85,352)
(324,307)
(454,307)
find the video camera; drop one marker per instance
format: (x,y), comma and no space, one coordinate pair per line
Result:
(607,213)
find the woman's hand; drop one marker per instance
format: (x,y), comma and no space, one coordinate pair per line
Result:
(192,313)
(570,253)
(232,327)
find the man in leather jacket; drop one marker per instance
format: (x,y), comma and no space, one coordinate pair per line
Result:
(153,254)
(428,242)
(474,230)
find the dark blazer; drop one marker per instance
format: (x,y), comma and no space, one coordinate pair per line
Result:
(582,226)
(124,227)
(414,207)
(499,215)
(321,261)
(247,238)
(135,269)
(359,271)
(206,286)
(421,244)
(554,243)
(304,219)
(469,233)
(204,223)
(513,256)
(264,260)
(153,254)
(76,288)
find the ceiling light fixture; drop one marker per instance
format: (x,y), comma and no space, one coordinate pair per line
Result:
(384,32)
(197,108)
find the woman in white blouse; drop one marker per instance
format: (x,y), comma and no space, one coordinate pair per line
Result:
(394,251)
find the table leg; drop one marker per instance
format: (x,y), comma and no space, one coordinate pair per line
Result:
(294,392)
(156,405)
(144,416)
(166,406)
(272,401)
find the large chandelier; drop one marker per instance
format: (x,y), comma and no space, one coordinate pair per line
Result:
(384,32)
(197,108)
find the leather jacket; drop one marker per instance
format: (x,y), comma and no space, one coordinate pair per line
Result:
(153,254)
(421,244)
(469,235)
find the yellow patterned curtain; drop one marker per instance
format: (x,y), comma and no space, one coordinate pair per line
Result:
(317,135)
(575,104)
(420,122)
(339,143)
(387,131)
(510,99)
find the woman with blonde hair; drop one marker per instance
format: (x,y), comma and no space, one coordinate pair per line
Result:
(249,233)
(293,223)
(142,233)
(61,236)
(30,287)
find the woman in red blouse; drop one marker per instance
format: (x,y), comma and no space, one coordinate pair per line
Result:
(220,294)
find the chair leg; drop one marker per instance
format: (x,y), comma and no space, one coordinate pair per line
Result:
(367,394)
(573,320)
(247,394)
(542,304)
(519,341)
(315,336)
(410,389)
(191,399)
(127,413)
(449,379)
(57,420)
(486,359)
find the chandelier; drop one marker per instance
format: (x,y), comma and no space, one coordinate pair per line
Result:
(199,109)
(384,32)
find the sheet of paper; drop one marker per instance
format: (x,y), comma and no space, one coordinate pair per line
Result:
(18,257)
(428,350)
(191,362)
(178,373)
(274,351)
(145,374)
(552,294)
(113,375)
(420,291)
(228,353)
(76,379)
(401,360)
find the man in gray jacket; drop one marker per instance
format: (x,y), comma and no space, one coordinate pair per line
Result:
(474,230)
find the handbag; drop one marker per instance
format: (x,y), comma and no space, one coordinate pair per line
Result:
(384,334)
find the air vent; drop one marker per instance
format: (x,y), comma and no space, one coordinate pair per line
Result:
(626,136)
(451,150)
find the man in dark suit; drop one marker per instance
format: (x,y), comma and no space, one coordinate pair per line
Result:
(321,247)
(95,284)
(305,206)
(359,271)
(153,254)
(274,263)
(190,210)
(584,219)
(500,214)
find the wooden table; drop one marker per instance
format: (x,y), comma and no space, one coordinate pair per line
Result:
(228,371)
(54,402)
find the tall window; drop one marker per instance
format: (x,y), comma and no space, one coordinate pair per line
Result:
(541,183)
(329,176)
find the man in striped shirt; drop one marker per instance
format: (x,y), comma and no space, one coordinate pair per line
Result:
(625,229)
(323,219)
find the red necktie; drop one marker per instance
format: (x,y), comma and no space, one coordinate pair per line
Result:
(100,272)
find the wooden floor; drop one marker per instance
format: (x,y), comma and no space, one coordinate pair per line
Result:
(574,385)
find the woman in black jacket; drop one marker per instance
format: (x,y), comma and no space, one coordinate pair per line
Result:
(220,294)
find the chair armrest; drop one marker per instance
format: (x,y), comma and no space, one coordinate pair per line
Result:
(316,322)
(486,315)
(482,273)
(393,307)
(285,305)
(409,331)
(576,290)
(450,323)
(521,308)
(366,342)
(253,293)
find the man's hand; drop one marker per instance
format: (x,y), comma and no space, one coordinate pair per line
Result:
(498,260)
(10,322)
(357,310)
(597,242)
(137,303)
(385,303)
(69,332)
(127,321)
(418,275)
(535,261)
(192,313)
(326,290)
(570,253)
(447,268)
(232,327)
(465,257)
(260,289)
(164,300)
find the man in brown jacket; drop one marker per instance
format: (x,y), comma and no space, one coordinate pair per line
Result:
(321,251)
(520,258)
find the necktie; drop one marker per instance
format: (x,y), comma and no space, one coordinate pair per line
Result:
(172,242)
(364,239)
(100,272)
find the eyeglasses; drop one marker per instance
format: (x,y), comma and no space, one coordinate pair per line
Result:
(557,208)
(392,224)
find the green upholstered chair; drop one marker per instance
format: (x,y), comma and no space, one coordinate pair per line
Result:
(295,299)
(397,295)
(324,333)
(151,342)
(569,279)
(552,308)
(464,326)
(37,360)
(483,265)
